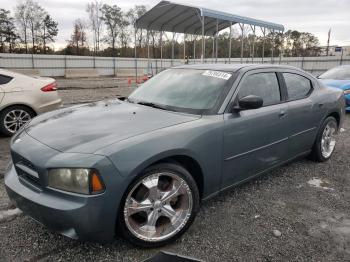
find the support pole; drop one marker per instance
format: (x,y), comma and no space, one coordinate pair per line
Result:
(203,41)
(230,45)
(33,64)
(216,38)
(272,45)
(161,50)
(213,51)
(148,58)
(282,49)
(194,49)
(253,55)
(172,50)
(184,48)
(114,66)
(263,45)
(242,29)
(135,56)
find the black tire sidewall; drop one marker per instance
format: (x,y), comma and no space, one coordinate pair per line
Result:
(162,167)
(4,112)
(317,151)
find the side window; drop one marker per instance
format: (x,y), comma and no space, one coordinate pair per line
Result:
(298,87)
(264,85)
(4,79)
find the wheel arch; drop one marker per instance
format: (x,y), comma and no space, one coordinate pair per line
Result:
(336,115)
(19,104)
(180,157)
(191,165)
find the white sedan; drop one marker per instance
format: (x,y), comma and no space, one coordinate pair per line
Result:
(23,97)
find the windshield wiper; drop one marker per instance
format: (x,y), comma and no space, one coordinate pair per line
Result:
(144,103)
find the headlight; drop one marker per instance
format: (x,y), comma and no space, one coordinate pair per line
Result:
(77,180)
(347,92)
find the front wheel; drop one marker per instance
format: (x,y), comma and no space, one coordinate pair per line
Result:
(13,118)
(325,141)
(159,206)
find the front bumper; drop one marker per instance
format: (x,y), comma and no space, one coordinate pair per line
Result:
(347,103)
(49,106)
(88,218)
(74,217)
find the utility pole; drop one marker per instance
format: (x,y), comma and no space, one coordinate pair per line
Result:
(329,36)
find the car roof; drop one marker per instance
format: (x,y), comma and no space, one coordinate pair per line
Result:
(235,67)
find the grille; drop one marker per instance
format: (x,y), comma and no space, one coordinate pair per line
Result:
(26,170)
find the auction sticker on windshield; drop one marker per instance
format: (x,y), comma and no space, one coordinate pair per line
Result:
(217,74)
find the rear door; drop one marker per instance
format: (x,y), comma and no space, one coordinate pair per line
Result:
(255,139)
(4,81)
(304,114)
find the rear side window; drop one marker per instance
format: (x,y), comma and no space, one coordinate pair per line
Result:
(4,79)
(264,85)
(298,87)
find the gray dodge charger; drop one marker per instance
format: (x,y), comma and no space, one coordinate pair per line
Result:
(140,167)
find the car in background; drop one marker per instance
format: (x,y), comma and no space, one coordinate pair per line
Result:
(140,167)
(338,77)
(23,97)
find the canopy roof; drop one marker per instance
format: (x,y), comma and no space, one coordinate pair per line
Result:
(179,18)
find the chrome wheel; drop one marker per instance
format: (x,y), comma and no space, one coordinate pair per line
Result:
(328,139)
(15,119)
(158,207)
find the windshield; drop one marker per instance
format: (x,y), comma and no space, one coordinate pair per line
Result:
(337,73)
(183,90)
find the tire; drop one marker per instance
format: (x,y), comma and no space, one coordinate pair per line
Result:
(318,154)
(23,114)
(136,226)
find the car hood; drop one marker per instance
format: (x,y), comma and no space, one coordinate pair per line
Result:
(342,84)
(87,128)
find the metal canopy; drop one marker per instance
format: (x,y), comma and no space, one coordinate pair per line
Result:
(191,20)
(178,18)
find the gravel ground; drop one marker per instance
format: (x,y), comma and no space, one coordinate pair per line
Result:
(91,83)
(299,212)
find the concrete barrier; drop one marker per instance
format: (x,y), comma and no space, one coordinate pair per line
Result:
(77,73)
(28,72)
(128,72)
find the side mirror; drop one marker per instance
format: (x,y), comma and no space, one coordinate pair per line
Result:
(250,102)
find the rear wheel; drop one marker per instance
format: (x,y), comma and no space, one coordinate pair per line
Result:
(159,206)
(13,118)
(325,141)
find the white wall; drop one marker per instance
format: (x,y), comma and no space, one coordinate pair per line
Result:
(55,65)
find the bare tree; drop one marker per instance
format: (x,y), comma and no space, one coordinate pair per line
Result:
(30,16)
(78,38)
(111,15)
(22,18)
(36,15)
(133,14)
(94,11)
(124,32)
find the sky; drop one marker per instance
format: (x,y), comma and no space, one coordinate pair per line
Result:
(314,16)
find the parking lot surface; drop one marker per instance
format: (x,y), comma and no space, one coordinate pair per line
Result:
(299,212)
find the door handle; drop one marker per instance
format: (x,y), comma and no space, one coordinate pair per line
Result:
(282,114)
(320,105)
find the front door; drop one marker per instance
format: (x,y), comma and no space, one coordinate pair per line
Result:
(255,139)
